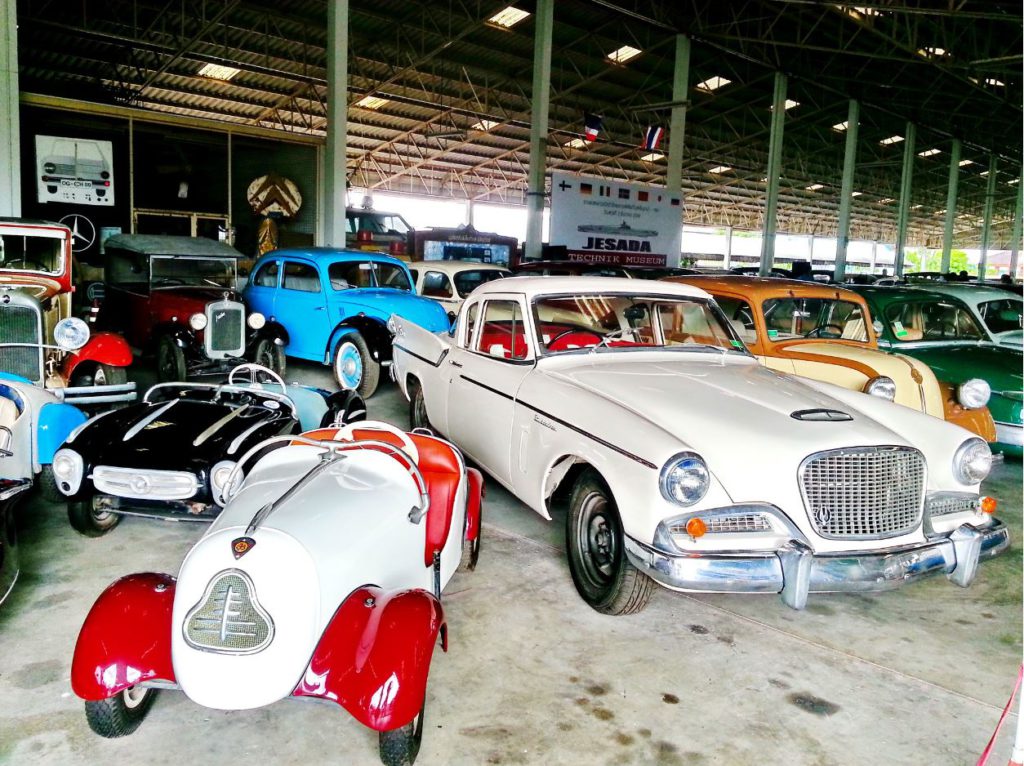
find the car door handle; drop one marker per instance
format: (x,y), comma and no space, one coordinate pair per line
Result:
(320,308)
(454,363)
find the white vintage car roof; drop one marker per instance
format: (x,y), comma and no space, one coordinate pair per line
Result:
(533,287)
(970,294)
(455,267)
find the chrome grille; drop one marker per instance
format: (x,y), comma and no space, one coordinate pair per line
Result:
(144,485)
(740,522)
(21,324)
(948,503)
(863,493)
(228,619)
(225,329)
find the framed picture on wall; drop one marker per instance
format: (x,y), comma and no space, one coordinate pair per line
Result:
(74,170)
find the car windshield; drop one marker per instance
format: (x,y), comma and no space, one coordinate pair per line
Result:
(603,321)
(932,320)
(32,253)
(467,281)
(377,223)
(788,318)
(191,271)
(1001,315)
(345,275)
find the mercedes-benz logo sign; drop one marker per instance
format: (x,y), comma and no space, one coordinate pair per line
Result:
(139,485)
(83,233)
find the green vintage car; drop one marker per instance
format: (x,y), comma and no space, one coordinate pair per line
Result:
(942,332)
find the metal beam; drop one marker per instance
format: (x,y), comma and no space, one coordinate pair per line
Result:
(1015,236)
(986,223)
(951,190)
(774,171)
(540,97)
(677,128)
(846,193)
(335,163)
(10,132)
(906,191)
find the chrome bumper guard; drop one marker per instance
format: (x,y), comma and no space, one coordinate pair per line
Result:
(794,570)
(85,396)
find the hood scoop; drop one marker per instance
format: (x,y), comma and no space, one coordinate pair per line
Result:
(821,415)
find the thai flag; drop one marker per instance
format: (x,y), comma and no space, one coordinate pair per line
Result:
(592,126)
(653,137)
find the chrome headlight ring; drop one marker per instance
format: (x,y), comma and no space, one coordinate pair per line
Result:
(973,393)
(881,386)
(71,334)
(972,461)
(68,468)
(256,320)
(197,321)
(220,474)
(684,479)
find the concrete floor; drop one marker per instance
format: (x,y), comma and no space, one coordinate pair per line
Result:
(534,676)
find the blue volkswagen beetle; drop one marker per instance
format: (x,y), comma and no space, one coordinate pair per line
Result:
(333,306)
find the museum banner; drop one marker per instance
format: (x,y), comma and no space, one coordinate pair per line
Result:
(603,221)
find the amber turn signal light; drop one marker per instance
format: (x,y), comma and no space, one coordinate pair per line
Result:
(696,528)
(989,504)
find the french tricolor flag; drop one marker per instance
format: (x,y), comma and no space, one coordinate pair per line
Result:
(653,137)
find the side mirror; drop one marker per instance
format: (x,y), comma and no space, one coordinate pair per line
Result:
(878,327)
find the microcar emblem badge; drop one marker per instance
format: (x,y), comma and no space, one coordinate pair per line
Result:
(823,516)
(242,545)
(228,619)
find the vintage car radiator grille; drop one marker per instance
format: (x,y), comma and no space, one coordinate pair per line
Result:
(20,324)
(865,493)
(144,485)
(228,619)
(225,329)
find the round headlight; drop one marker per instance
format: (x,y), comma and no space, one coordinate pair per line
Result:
(256,320)
(882,386)
(71,334)
(197,322)
(972,461)
(67,470)
(684,479)
(219,476)
(973,393)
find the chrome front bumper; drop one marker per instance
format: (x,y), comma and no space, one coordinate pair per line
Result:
(794,570)
(1008,433)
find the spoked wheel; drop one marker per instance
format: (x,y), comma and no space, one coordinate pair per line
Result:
(270,355)
(91,522)
(602,573)
(120,715)
(170,361)
(355,369)
(399,747)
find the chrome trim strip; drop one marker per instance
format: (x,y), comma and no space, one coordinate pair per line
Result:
(238,440)
(1010,433)
(218,425)
(137,428)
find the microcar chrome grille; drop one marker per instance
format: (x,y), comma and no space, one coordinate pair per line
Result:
(225,329)
(948,503)
(21,324)
(228,618)
(863,493)
(144,485)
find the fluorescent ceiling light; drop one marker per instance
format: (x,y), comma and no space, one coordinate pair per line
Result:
(885,200)
(653,157)
(855,194)
(839,127)
(790,103)
(1013,181)
(371,102)
(218,72)
(932,51)
(983,173)
(928,152)
(720,169)
(940,212)
(891,140)
(815,187)
(624,54)
(994,82)
(486,125)
(712,83)
(858,11)
(965,163)
(916,207)
(576,143)
(509,17)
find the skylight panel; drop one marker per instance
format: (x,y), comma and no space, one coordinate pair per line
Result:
(218,72)
(371,102)
(720,169)
(624,54)
(509,17)
(653,157)
(885,200)
(856,194)
(929,152)
(712,84)
(486,125)
(575,143)
(965,163)
(994,82)
(891,140)
(815,187)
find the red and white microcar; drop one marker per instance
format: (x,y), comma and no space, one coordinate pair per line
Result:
(322,578)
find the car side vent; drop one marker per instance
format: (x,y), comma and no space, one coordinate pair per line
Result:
(820,415)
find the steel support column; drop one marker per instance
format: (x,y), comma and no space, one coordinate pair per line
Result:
(335,160)
(10,133)
(1015,236)
(540,98)
(846,193)
(728,247)
(954,180)
(677,128)
(906,191)
(771,202)
(986,224)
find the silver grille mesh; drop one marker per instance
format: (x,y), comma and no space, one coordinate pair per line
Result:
(20,324)
(741,522)
(229,619)
(865,493)
(225,329)
(944,504)
(143,485)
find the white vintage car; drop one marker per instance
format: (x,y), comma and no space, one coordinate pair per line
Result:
(682,459)
(321,578)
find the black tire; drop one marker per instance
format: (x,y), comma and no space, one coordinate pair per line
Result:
(270,355)
(399,747)
(170,361)
(120,715)
(417,407)
(88,522)
(470,554)
(48,485)
(344,407)
(108,375)
(370,374)
(601,571)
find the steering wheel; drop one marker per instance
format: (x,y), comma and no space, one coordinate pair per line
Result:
(571,331)
(817,331)
(941,330)
(253,371)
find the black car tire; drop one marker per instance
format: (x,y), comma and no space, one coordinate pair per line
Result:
(370,377)
(417,407)
(88,522)
(346,407)
(399,747)
(108,375)
(270,354)
(48,485)
(601,571)
(170,361)
(120,715)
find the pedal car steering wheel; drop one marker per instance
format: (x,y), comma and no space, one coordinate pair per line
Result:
(253,371)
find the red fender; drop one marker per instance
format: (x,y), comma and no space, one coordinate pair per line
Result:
(103,347)
(126,637)
(474,503)
(374,656)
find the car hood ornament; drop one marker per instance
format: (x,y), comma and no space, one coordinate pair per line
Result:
(242,545)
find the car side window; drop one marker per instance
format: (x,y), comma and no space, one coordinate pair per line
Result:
(267,275)
(471,314)
(502,334)
(436,285)
(301,277)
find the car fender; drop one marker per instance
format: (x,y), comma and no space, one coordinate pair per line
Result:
(374,656)
(126,637)
(103,347)
(56,421)
(374,332)
(474,503)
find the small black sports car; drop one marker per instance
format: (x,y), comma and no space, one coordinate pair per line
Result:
(169,456)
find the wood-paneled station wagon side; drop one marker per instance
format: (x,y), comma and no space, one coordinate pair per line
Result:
(826,333)
(683,459)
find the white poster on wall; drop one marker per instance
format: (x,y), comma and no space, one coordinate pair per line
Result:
(79,171)
(606,221)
